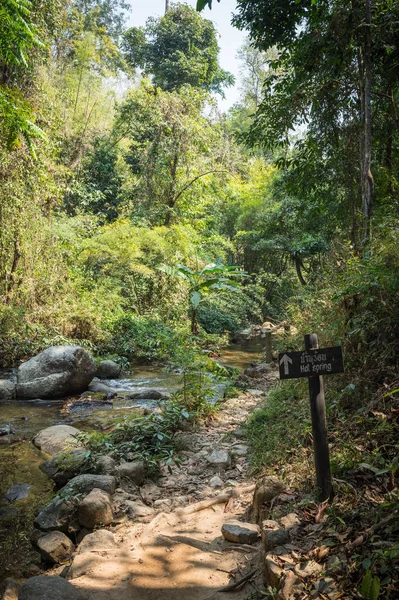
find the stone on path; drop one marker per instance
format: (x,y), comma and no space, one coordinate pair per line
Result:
(132,470)
(239,450)
(105,465)
(138,509)
(55,515)
(55,547)
(48,588)
(57,372)
(83,484)
(275,537)
(241,533)
(56,438)
(216,482)
(95,509)
(9,589)
(219,460)
(99,540)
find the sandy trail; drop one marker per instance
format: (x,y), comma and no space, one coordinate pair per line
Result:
(177,556)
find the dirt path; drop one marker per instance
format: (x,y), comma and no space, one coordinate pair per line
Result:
(170,555)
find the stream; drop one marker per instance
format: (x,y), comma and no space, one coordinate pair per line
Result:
(20,459)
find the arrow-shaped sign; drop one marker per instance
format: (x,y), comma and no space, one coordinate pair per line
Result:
(286,360)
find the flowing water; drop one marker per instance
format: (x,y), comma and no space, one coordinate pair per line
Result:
(20,459)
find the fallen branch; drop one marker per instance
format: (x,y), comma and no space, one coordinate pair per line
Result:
(369,533)
(193,508)
(236,584)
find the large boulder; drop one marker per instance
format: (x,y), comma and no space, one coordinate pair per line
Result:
(55,516)
(108,369)
(55,547)
(95,509)
(98,541)
(43,587)
(64,466)
(58,371)
(57,438)
(83,484)
(132,470)
(7,389)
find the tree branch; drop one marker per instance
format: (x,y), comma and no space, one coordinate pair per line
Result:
(184,188)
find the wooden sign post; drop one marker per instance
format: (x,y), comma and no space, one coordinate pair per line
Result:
(312,363)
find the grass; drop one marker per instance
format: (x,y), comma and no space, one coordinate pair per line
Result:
(364,450)
(278,429)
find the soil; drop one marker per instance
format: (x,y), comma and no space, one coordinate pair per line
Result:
(172,555)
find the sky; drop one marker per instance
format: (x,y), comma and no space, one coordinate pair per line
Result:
(230,39)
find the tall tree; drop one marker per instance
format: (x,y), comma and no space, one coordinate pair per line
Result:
(173,146)
(178,49)
(326,76)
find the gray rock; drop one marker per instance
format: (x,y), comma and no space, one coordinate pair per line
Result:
(64,466)
(241,533)
(149,395)
(18,491)
(9,589)
(105,465)
(97,387)
(55,516)
(132,470)
(55,547)
(83,484)
(108,369)
(216,482)
(99,540)
(7,389)
(138,509)
(95,509)
(46,588)
(275,537)
(58,371)
(239,450)
(219,460)
(56,439)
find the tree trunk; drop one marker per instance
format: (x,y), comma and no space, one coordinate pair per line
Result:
(194,321)
(299,271)
(167,6)
(367,177)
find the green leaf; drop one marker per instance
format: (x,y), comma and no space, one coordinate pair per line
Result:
(375,588)
(366,584)
(195,299)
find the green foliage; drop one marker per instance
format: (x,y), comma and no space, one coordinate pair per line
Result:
(145,339)
(370,586)
(18,37)
(276,429)
(173,149)
(96,188)
(202,282)
(178,49)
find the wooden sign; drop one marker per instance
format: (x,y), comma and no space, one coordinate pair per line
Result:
(311,363)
